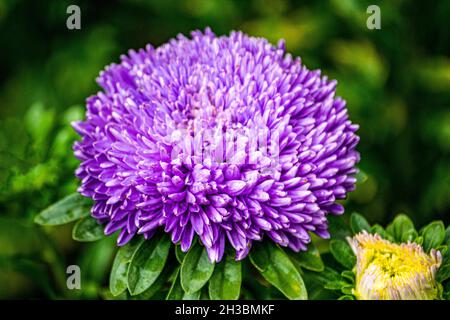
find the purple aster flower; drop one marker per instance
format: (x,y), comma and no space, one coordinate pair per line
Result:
(228,137)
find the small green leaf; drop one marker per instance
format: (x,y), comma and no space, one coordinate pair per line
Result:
(419,240)
(343,253)
(348,289)
(196,269)
(348,275)
(279,270)
(358,223)
(433,235)
(347,297)
(225,283)
(179,254)
(71,208)
(309,259)
(337,228)
(447,236)
(147,263)
(401,224)
(155,288)
(87,229)
(409,235)
(335,285)
(327,275)
(444,271)
(176,291)
(118,280)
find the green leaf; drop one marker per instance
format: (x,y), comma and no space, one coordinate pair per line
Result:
(447,236)
(176,291)
(401,225)
(327,275)
(409,235)
(419,240)
(343,253)
(337,228)
(348,275)
(378,229)
(71,208)
(155,288)
(444,271)
(147,263)
(335,285)
(179,254)
(196,269)
(309,259)
(347,297)
(87,230)
(433,235)
(278,270)
(358,223)
(348,289)
(225,283)
(118,280)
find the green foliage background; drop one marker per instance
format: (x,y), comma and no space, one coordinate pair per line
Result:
(396,82)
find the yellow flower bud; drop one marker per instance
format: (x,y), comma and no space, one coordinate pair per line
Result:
(390,271)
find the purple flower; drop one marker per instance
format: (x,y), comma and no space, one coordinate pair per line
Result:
(229,138)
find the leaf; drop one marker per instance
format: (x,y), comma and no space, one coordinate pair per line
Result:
(196,269)
(343,254)
(337,228)
(260,258)
(335,285)
(447,236)
(70,208)
(326,276)
(358,223)
(433,235)
(409,235)
(87,230)
(309,259)
(155,288)
(147,263)
(179,254)
(401,225)
(278,270)
(444,271)
(176,291)
(348,289)
(348,275)
(225,283)
(419,240)
(381,232)
(347,297)
(118,280)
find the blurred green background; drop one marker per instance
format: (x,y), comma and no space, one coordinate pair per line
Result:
(396,82)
